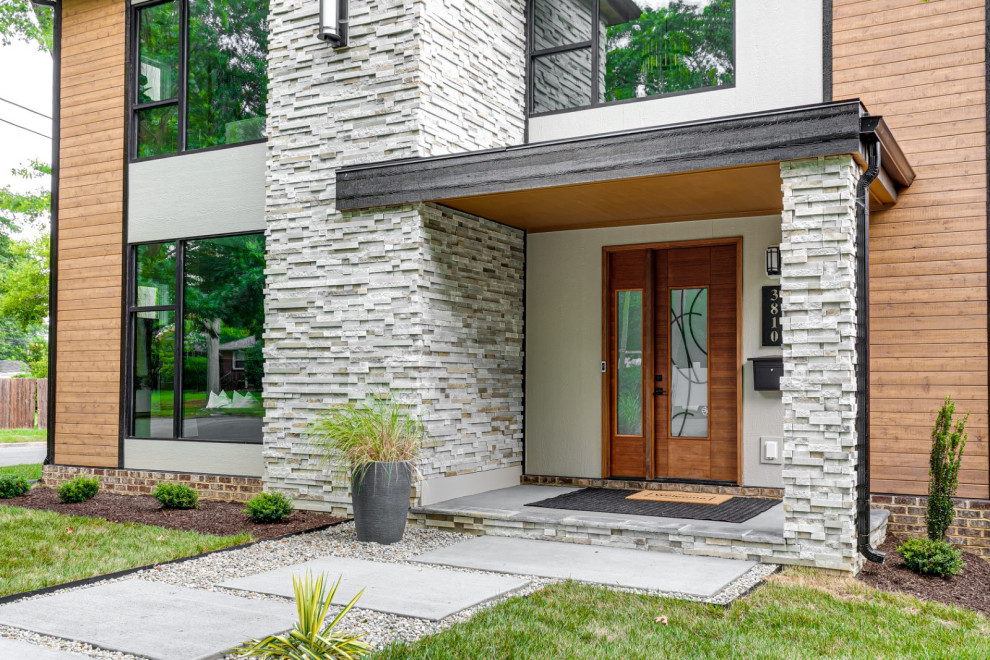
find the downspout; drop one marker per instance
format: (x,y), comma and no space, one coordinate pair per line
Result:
(53,214)
(870,140)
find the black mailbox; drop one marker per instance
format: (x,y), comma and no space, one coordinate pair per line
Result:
(767,372)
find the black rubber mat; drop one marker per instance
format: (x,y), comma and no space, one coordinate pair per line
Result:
(612,500)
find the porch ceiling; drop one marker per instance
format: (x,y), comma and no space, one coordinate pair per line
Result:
(704,170)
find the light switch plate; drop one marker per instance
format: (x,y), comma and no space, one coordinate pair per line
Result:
(764,441)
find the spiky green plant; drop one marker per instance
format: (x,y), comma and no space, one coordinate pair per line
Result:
(379,429)
(307,640)
(948,442)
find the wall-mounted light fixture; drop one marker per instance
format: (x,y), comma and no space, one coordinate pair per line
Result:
(333,22)
(773,261)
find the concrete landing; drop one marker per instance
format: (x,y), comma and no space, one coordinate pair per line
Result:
(150,619)
(668,572)
(403,589)
(12,648)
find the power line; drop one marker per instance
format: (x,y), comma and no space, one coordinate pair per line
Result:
(25,128)
(24,107)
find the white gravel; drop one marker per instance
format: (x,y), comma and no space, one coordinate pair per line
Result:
(379,628)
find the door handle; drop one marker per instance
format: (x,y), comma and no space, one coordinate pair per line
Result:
(658,391)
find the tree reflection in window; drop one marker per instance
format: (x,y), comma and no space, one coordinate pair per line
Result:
(223,296)
(673,46)
(222,299)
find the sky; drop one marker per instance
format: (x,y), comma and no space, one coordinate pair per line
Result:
(26,79)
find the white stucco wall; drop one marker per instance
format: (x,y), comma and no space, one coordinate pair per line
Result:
(778,65)
(564,342)
(209,192)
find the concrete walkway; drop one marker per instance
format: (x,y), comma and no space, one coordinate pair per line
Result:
(20,453)
(166,622)
(12,648)
(414,591)
(635,569)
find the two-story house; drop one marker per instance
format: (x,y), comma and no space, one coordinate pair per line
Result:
(739,244)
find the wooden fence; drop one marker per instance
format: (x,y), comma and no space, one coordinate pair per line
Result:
(20,399)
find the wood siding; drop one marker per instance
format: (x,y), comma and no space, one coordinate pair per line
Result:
(90,226)
(922,66)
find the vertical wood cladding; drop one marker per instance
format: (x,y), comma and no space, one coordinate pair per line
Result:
(90,226)
(922,66)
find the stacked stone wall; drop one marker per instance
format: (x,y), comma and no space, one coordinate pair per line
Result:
(424,302)
(818,287)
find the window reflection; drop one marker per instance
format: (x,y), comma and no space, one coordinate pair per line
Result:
(154,361)
(223,295)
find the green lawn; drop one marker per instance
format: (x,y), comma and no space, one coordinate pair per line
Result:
(23,435)
(28,471)
(797,615)
(42,548)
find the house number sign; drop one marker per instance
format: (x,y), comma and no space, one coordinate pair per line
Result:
(771,316)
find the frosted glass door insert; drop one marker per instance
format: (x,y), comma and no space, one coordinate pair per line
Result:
(629,362)
(689,363)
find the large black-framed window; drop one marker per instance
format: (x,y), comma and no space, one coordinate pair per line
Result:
(584,53)
(199,78)
(195,334)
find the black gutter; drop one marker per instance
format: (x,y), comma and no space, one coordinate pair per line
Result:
(827,50)
(871,140)
(53,214)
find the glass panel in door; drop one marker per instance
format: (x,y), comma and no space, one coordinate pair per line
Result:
(689,363)
(629,363)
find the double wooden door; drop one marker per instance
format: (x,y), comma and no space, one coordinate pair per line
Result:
(672,370)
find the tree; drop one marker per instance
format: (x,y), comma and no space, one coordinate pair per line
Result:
(20,210)
(24,283)
(22,21)
(948,442)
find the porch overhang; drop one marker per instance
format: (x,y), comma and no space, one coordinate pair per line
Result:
(728,167)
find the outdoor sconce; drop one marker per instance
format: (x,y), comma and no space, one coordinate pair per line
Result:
(773,261)
(333,22)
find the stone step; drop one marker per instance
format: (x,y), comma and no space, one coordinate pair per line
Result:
(757,542)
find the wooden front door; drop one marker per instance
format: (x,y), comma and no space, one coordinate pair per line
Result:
(672,371)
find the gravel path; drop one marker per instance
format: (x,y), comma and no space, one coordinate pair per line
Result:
(380,628)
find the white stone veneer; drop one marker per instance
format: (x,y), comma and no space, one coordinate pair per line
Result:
(419,299)
(818,286)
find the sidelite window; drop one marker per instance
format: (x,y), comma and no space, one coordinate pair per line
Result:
(589,52)
(201,79)
(201,378)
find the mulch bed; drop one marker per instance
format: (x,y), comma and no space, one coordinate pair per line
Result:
(219,518)
(970,589)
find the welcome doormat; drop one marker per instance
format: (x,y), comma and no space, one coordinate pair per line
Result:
(684,498)
(613,500)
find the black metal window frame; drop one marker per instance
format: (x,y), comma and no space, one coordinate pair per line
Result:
(594,44)
(134,107)
(177,308)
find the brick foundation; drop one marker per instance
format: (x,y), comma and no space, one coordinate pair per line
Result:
(970,531)
(142,482)
(581,482)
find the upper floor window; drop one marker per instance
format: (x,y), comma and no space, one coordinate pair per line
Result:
(200,76)
(589,52)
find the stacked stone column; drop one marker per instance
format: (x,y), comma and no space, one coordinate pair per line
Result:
(818,286)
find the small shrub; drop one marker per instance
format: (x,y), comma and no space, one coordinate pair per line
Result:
(13,486)
(931,557)
(268,508)
(176,496)
(310,638)
(79,489)
(948,442)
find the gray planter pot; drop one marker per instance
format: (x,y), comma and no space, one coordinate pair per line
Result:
(380,494)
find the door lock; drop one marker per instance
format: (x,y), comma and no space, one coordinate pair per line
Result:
(658,391)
